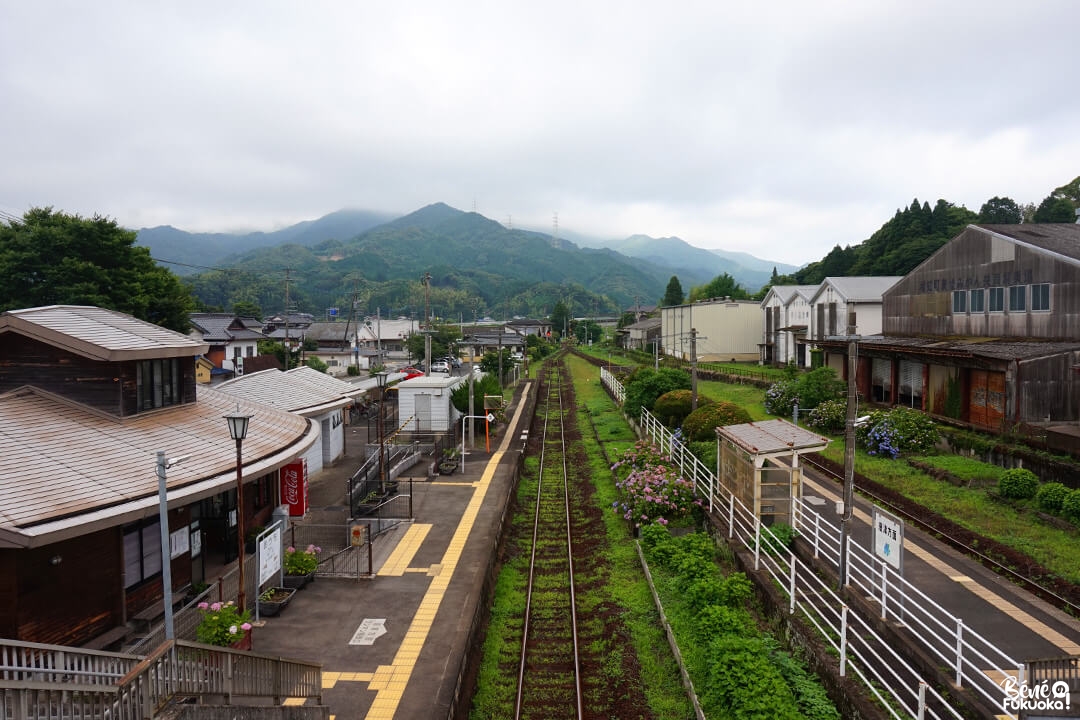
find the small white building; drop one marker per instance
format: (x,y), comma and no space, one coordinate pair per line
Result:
(786,310)
(836,296)
(424,403)
(296,392)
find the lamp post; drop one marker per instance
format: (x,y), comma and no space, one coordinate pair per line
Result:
(238,427)
(381,378)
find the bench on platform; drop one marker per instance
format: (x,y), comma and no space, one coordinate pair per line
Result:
(108,639)
(155,610)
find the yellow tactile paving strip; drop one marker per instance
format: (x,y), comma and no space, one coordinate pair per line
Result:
(398,562)
(389,681)
(1067,646)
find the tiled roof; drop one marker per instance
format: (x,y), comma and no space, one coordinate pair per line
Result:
(69,470)
(326,382)
(98,333)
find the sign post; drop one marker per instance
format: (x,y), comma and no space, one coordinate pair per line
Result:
(888,537)
(489,417)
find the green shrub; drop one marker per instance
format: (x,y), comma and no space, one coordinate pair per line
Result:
(737,590)
(671,408)
(645,385)
(744,683)
(829,417)
(705,452)
(1050,496)
(717,620)
(809,389)
(900,430)
(703,592)
(1018,483)
(700,425)
(784,536)
(1070,506)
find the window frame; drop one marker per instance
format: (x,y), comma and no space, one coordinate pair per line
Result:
(979,293)
(147,543)
(959,302)
(996,294)
(1041,288)
(1018,298)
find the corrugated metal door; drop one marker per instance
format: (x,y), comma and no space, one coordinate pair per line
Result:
(986,401)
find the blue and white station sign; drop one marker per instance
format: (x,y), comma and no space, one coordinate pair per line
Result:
(889,538)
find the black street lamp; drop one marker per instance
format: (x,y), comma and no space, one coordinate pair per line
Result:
(381,378)
(238,427)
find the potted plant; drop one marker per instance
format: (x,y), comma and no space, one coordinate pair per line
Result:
(274,600)
(451,460)
(225,625)
(300,566)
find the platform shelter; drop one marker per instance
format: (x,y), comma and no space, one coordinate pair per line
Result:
(759,463)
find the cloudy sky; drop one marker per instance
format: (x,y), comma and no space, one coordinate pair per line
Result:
(779,129)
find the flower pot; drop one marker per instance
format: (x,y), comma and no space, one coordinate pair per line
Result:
(244,643)
(276,600)
(447,467)
(297,582)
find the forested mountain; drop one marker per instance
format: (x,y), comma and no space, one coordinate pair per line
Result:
(190,251)
(477,267)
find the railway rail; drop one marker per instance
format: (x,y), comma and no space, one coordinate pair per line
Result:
(549,674)
(920,521)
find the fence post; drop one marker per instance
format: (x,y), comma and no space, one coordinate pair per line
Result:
(817,533)
(959,652)
(843,640)
(757,544)
(922,700)
(884,590)
(731,516)
(791,604)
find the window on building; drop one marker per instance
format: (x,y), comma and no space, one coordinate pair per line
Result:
(959,302)
(978,300)
(158,383)
(997,299)
(251,351)
(1040,297)
(237,351)
(142,553)
(1017,298)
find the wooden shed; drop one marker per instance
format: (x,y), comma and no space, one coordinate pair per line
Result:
(747,465)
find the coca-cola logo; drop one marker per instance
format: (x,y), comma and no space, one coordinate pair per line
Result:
(291,486)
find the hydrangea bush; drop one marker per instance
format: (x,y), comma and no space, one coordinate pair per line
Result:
(893,432)
(301,562)
(653,491)
(222,623)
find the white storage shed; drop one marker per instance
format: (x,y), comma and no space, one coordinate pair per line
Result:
(424,403)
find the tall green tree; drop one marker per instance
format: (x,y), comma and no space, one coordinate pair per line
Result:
(673,295)
(52,258)
(1000,210)
(560,319)
(721,286)
(1055,210)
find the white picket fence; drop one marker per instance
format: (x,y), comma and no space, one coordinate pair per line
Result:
(974,660)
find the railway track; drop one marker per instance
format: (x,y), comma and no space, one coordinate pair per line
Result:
(549,672)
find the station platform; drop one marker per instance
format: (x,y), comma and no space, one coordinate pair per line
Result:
(395,645)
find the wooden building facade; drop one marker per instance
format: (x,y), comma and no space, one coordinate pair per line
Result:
(87,399)
(985,331)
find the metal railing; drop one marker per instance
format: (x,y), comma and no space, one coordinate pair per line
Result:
(899,686)
(44,682)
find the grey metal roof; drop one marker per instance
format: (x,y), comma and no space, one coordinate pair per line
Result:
(70,470)
(772,437)
(859,288)
(785,293)
(1060,238)
(218,328)
(100,334)
(327,382)
(963,347)
(285,391)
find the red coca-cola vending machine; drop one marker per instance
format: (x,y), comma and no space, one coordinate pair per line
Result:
(294,487)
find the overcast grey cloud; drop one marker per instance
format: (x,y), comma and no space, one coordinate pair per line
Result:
(780,129)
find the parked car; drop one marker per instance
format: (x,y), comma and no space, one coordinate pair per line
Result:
(440,366)
(411,372)
(454,362)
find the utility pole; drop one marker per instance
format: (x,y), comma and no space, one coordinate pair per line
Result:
(287,270)
(426,280)
(849,448)
(694,337)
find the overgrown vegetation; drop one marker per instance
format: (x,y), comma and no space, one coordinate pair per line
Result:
(738,671)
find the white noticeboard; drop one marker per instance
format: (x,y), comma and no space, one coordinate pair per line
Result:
(269,554)
(889,538)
